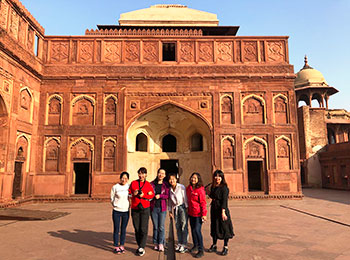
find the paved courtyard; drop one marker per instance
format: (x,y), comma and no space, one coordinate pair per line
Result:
(316,227)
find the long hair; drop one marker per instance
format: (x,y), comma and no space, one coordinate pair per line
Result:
(219,173)
(199,183)
(156,179)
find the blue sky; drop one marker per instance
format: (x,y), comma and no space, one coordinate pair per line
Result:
(318,28)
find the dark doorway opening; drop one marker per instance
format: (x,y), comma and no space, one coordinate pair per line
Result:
(302,175)
(169,143)
(17,181)
(82,176)
(170,166)
(255,179)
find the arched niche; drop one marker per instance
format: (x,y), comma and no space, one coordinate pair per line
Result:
(253,110)
(51,154)
(110,110)
(54,110)
(228,153)
(26,105)
(141,143)
(303,100)
(196,142)
(169,143)
(226,109)
(280,106)
(283,153)
(331,136)
(83,110)
(316,100)
(109,154)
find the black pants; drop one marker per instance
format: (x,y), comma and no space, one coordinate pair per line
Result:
(140,221)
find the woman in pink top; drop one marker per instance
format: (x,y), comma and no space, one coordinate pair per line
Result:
(197,211)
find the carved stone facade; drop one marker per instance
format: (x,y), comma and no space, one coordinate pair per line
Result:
(89,107)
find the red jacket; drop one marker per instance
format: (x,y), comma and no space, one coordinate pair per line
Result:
(145,187)
(197,205)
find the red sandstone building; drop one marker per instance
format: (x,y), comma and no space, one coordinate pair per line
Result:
(157,90)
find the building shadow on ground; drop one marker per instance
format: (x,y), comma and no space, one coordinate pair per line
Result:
(100,240)
(340,196)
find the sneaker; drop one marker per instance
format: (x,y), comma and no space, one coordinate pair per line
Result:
(212,249)
(141,251)
(177,247)
(122,249)
(161,248)
(156,247)
(182,249)
(199,254)
(116,250)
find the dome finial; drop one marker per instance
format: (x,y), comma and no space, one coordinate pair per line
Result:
(306,64)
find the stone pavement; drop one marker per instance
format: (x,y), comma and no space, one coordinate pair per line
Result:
(314,228)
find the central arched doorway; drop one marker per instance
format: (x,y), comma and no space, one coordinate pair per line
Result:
(170,137)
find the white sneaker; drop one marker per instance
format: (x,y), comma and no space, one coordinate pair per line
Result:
(141,251)
(177,247)
(182,249)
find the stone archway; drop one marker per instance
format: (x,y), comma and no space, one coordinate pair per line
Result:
(180,123)
(3,133)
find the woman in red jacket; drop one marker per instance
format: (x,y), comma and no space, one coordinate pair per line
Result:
(141,192)
(197,211)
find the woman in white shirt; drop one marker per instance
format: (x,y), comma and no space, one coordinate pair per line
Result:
(177,207)
(120,215)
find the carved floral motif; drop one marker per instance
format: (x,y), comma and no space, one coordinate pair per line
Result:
(132,51)
(275,51)
(150,51)
(59,52)
(187,51)
(54,106)
(112,51)
(224,51)
(250,51)
(86,51)
(205,51)
(4,13)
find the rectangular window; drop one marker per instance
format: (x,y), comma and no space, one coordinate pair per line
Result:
(36,45)
(169,51)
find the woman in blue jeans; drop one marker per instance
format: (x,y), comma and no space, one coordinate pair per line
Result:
(120,215)
(159,209)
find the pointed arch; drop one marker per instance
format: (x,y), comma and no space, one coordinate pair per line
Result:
(226,109)
(84,140)
(31,105)
(58,110)
(109,154)
(75,100)
(277,118)
(283,155)
(110,113)
(51,164)
(260,100)
(259,140)
(228,153)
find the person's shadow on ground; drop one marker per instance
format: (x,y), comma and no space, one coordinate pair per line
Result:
(100,240)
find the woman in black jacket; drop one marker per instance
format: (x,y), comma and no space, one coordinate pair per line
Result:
(220,219)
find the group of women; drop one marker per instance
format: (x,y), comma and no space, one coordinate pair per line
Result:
(184,205)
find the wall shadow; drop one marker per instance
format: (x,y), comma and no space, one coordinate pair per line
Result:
(340,196)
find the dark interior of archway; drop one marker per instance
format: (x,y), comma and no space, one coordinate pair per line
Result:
(141,143)
(169,143)
(254,175)
(81,178)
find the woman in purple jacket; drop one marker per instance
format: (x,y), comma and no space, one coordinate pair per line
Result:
(159,209)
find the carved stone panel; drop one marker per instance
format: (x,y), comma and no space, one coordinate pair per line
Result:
(150,51)
(83,112)
(54,113)
(238,51)
(253,111)
(276,51)
(14,24)
(81,151)
(110,112)
(59,52)
(22,31)
(228,154)
(25,105)
(224,52)
(280,109)
(112,52)
(4,14)
(21,149)
(283,155)
(250,51)
(255,150)
(187,51)
(86,51)
(52,156)
(109,156)
(30,39)
(226,110)
(206,51)
(132,51)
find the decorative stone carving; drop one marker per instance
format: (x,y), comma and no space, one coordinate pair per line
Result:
(275,51)
(283,154)
(280,109)
(6,86)
(228,153)
(54,113)
(14,24)
(262,52)
(204,104)
(205,51)
(112,52)
(30,39)
(226,110)
(25,99)
(109,156)
(187,51)
(150,51)
(59,52)
(132,51)
(255,149)
(110,111)
(22,31)
(52,155)
(238,51)
(224,51)
(86,51)
(4,14)
(250,51)
(253,111)
(83,112)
